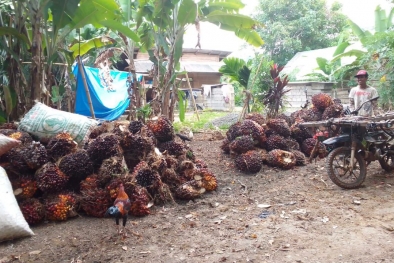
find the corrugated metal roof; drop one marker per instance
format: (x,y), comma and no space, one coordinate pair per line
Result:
(304,63)
(143,66)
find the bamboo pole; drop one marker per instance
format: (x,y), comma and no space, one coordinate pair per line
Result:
(85,84)
(191,94)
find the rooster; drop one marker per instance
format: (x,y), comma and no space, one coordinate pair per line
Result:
(120,209)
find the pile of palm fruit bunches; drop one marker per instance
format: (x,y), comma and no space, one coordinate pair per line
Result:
(56,179)
(279,142)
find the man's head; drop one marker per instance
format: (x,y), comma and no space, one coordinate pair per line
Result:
(362,77)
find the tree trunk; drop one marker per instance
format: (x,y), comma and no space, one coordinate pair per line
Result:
(167,108)
(36,71)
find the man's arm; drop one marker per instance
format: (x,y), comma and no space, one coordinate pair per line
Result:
(375,103)
(351,100)
(351,104)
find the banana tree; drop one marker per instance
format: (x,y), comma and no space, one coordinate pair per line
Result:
(14,43)
(333,69)
(166,22)
(237,70)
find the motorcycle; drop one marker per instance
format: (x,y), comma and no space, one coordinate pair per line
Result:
(361,140)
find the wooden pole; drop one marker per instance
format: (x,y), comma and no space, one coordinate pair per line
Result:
(191,94)
(85,84)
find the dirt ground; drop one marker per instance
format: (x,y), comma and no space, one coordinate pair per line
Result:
(272,216)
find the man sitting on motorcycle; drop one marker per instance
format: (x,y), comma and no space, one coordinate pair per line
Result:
(362,93)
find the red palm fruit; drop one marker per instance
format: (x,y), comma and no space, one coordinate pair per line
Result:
(59,207)
(33,211)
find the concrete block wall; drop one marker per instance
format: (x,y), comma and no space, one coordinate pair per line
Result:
(296,96)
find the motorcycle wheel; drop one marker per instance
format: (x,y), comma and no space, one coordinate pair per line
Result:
(387,162)
(337,166)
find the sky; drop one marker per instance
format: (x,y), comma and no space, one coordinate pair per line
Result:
(359,11)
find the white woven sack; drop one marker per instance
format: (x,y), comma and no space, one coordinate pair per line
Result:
(12,223)
(45,122)
(6,143)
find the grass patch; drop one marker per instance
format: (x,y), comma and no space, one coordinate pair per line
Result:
(194,124)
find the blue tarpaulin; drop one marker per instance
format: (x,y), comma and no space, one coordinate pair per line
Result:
(108,93)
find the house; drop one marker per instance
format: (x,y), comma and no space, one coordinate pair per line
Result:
(202,67)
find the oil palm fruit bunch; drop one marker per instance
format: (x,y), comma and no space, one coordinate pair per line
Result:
(308,145)
(190,153)
(298,115)
(276,142)
(140,199)
(22,136)
(104,127)
(321,101)
(111,168)
(33,211)
(9,125)
(77,166)
(186,169)
(172,147)
(144,175)
(90,183)
(249,162)
(291,144)
(288,119)
(300,157)
(333,111)
(160,192)
(162,129)
(242,144)
(263,154)
(257,117)
(17,158)
(59,207)
(337,101)
(135,126)
(207,178)
(24,187)
(7,132)
(60,145)
(103,147)
(252,128)
(135,146)
(268,132)
(282,159)
(312,114)
(36,155)
(233,131)
(172,178)
(200,164)
(50,178)
(300,133)
(190,190)
(279,126)
(95,201)
(225,146)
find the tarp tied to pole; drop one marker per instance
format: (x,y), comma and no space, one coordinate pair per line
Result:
(108,92)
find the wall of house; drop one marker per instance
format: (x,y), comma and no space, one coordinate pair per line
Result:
(296,96)
(195,57)
(217,100)
(141,55)
(199,57)
(199,79)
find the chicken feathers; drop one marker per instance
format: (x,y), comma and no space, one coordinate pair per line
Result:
(120,209)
